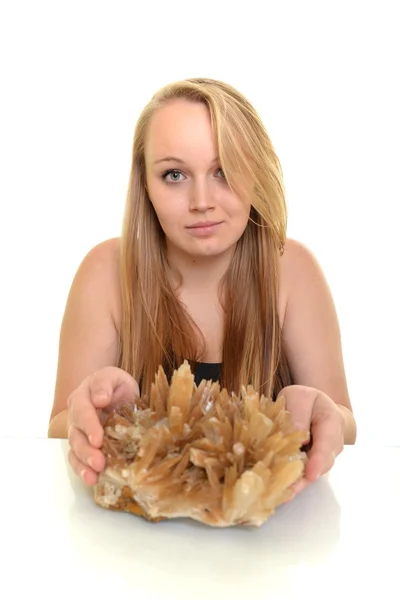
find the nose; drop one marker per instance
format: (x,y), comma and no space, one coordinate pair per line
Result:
(201,197)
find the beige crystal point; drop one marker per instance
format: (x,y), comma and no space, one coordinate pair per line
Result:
(200,453)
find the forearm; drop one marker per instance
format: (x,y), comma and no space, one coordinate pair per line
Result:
(350,428)
(58,426)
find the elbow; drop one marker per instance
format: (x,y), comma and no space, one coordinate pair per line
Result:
(58,425)
(350,426)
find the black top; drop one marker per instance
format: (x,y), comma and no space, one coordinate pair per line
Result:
(206,371)
(202,371)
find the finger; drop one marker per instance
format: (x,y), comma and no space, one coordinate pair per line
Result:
(112,385)
(84,416)
(85,453)
(319,463)
(324,448)
(299,486)
(307,444)
(299,401)
(88,476)
(109,387)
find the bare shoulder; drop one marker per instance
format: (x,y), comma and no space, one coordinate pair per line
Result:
(310,324)
(98,272)
(299,267)
(102,258)
(302,281)
(298,258)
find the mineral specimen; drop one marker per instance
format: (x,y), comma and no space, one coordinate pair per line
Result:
(201,453)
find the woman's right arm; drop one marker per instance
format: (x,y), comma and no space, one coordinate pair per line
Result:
(89,329)
(87,378)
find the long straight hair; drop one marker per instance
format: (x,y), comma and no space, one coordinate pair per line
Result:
(155,327)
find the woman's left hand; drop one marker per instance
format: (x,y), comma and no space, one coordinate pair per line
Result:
(314,411)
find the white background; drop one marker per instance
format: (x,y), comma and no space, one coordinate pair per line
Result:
(74,77)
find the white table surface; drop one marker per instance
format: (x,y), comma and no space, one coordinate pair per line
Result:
(338,538)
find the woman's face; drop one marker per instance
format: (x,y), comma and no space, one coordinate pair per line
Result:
(197,211)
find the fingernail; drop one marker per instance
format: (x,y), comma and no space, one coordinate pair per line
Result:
(289,499)
(83,473)
(90,462)
(101,396)
(299,486)
(91,440)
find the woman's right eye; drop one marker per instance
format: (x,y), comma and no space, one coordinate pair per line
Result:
(172,172)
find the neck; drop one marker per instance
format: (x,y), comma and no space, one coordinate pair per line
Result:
(198,272)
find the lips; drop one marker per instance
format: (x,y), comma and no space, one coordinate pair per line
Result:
(204,229)
(202,224)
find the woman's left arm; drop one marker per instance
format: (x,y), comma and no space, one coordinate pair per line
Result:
(319,399)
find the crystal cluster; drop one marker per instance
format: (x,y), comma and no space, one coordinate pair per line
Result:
(201,453)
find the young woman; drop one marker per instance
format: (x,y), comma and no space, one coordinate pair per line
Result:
(202,271)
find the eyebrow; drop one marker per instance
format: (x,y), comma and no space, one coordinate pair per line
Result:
(179,160)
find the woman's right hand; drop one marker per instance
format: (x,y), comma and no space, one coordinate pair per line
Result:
(100,392)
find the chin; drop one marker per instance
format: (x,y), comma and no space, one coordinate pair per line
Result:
(210,250)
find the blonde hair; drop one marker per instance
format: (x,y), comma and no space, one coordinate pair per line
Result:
(155,328)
